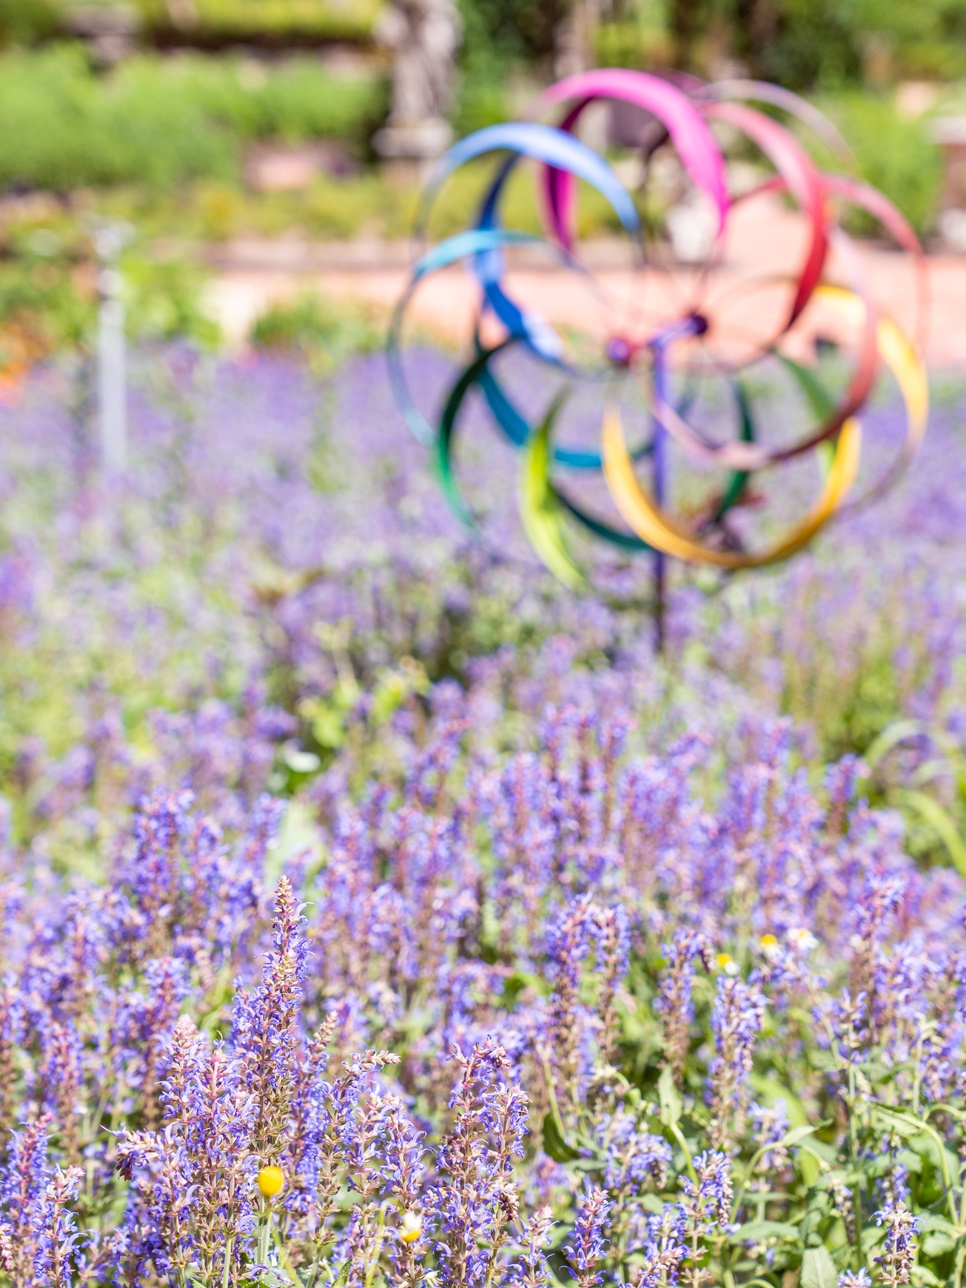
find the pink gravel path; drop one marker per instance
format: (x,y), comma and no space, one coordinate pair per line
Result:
(766,239)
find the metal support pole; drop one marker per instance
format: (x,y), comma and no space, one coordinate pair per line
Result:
(109,241)
(659,464)
(112,376)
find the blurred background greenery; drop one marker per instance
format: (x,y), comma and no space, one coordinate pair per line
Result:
(169,114)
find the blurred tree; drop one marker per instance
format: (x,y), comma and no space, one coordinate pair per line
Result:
(688,21)
(522,29)
(23,22)
(757,23)
(805,44)
(799,43)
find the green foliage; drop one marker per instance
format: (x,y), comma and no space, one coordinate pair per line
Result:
(48,301)
(162,122)
(499,35)
(926,38)
(324,331)
(294,101)
(633,44)
(23,22)
(165,301)
(893,153)
(278,19)
(62,129)
(44,303)
(520,29)
(800,43)
(808,44)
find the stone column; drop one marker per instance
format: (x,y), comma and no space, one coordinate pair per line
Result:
(575,39)
(423,36)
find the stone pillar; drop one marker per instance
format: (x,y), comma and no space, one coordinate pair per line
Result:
(423,37)
(110,34)
(575,39)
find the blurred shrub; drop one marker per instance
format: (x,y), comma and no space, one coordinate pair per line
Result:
(482,98)
(511,29)
(893,153)
(158,121)
(804,44)
(64,129)
(925,39)
(295,100)
(498,37)
(322,330)
(48,302)
(280,19)
(25,22)
(633,44)
(930,60)
(798,43)
(165,301)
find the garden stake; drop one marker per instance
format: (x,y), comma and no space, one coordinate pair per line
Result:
(634,360)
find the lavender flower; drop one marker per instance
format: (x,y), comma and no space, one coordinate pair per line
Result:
(475,1199)
(287,670)
(674,1001)
(899,1253)
(567,947)
(266,1031)
(736,1018)
(532,1270)
(665,1248)
(588,1246)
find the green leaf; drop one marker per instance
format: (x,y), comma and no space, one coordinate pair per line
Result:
(905,1124)
(925,1276)
(942,823)
(818,1269)
(937,1243)
(797,1134)
(936,1221)
(821,402)
(772,1092)
(672,1106)
(342,1278)
(761,1230)
(899,731)
(652,1203)
(555,1143)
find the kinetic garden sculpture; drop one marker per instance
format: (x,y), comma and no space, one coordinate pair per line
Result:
(677,359)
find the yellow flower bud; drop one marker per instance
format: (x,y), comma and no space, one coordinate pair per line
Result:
(769,941)
(270,1181)
(411,1228)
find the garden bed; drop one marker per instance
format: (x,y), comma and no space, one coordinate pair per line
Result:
(611,969)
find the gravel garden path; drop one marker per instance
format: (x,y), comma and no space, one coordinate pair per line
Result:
(767,241)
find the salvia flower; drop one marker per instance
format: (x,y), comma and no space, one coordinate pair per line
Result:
(736,1019)
(588,1244)
(899,1249)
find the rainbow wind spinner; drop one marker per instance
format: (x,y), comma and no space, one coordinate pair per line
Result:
(690,344)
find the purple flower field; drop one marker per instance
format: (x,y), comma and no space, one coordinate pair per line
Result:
(377,913)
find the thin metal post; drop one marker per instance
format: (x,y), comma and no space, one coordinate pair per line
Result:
(109,241)
(659,466)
